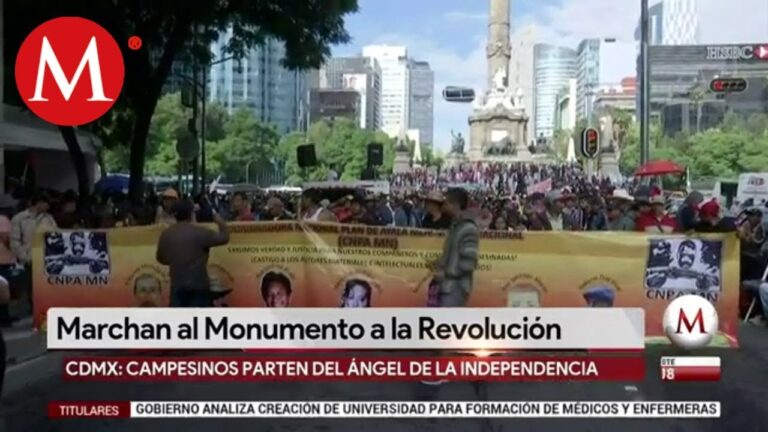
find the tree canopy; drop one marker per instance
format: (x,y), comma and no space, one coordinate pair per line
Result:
(239,146)
(174,30)
(738,145)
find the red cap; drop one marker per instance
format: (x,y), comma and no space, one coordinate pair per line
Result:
(710,209)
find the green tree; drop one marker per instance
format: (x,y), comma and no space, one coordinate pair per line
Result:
(248,146)
(340,144)
(170,29)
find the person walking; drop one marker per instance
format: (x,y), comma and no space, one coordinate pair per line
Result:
(456,266)
(184,247)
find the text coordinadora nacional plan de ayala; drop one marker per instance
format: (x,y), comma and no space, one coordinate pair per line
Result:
(341,328)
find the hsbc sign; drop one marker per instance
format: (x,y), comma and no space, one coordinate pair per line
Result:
(738,52)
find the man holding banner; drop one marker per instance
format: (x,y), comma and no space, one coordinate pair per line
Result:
(456,267)
(184,248)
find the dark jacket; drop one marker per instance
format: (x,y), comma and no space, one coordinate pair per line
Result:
(460,255)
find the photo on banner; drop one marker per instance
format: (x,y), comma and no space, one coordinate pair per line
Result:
(297,264)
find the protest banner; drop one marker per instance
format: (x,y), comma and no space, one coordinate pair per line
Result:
(295,264)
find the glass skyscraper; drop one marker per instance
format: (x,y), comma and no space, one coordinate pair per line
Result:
(553,66)
(261,84)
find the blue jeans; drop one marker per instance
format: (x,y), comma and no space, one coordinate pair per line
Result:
(763,294)
(191,298)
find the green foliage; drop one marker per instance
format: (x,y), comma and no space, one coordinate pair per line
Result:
(183,30)
(738,145)
(340,145)
(240,143)
(233,142)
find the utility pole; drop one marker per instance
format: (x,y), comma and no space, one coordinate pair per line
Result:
(645,85)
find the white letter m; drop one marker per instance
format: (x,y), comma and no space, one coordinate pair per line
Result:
(90,58)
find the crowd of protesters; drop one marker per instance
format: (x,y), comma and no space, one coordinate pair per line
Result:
(501,197)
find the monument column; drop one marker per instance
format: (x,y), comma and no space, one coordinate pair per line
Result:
(498,51)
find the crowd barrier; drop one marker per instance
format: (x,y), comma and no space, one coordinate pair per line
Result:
(296,264)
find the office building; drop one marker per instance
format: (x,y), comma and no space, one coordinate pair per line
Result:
(334,104)
(553,66)
(360,74)
(259,83)
(421,115)
(521,68)
(680,22)
(600,63)
(395,86)
(706,22)
(655,25)
(681,77)
(620,97)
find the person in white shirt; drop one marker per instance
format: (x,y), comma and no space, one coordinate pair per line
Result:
(24,225)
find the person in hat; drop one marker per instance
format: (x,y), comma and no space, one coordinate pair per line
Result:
(434,217)
(274,210)
(185,247)
(618,211)
(164,214)
(454,270)
(688,213)
(555,218)
(600,296)
(656,221)
(710,220)
(312,210)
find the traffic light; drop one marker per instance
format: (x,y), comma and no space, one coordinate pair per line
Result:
(459,94)
(590,143)
(728,85)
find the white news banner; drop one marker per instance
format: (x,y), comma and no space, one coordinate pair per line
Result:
(340,328)
(409,409)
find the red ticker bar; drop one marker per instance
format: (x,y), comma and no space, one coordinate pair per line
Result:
(72,409)
(356,369)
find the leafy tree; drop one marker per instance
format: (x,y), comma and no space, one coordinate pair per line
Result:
(340,144)
(172,28)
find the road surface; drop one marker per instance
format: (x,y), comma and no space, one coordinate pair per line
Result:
(743,391)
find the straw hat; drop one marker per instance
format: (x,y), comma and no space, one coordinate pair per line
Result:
(435,196)
(622,195)
(170,193)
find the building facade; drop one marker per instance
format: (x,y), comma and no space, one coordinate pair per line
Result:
(261,84)
(422,111)
(553,67)
(360,74)
(681,77)
(333,104)
(680,22)
(521,68)
(395,86)
(600,63)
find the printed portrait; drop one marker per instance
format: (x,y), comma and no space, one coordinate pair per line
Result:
(524,291)
(276,289)
(684,265)
(148,290)
(357,293)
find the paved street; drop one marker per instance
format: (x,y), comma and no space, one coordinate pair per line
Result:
(742,390)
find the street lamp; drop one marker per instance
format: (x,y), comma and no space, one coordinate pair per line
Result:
(201,88)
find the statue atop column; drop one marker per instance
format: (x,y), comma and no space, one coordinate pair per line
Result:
(457,146)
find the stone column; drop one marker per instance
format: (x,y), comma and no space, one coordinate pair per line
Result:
(498,50)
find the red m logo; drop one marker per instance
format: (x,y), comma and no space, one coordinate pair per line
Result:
(682,320)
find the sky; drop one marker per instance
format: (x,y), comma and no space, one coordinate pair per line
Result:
(451,36)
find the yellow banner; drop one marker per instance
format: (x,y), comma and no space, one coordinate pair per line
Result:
(316,265)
